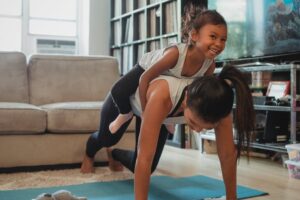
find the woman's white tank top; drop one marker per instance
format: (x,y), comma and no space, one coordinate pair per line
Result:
(152,57)
(176,88)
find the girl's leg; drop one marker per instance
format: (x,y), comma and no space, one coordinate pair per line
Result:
(121,91)
(128,158)
(125,87)
(103,137)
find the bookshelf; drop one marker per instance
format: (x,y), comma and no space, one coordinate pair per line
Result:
(139,26)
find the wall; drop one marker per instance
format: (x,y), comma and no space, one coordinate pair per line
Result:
(99,27)
(29,40)
(94,29)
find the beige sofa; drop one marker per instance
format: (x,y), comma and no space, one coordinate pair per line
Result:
(49,105)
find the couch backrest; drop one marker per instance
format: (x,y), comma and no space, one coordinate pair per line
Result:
(70,78)
(13,77)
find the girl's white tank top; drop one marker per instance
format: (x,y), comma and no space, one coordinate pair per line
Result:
(152,57)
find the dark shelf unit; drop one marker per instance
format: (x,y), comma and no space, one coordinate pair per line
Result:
(292,69)
(293,109)
(276,147)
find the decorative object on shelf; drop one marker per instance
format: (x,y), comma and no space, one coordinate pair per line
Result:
(273,38)
(278,89)
(260,79)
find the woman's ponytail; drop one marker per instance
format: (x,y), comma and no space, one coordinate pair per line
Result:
(244,115)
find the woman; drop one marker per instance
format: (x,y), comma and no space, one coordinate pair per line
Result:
(206,103)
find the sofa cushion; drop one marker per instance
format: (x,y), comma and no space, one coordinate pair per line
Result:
(21,118)
(56,79)
(13,77)
(75,117)
(72,117)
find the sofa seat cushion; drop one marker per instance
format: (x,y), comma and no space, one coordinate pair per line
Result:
(21,118)
(72,117)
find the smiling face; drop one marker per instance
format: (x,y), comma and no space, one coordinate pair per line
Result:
(210,40)
(196,123)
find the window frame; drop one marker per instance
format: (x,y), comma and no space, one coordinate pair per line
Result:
(28,39)
(76,20)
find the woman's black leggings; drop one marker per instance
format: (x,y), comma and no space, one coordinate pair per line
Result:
(125,87)
(103,137)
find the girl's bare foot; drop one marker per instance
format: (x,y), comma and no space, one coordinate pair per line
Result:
(113,164)
(119,121)
(87,165)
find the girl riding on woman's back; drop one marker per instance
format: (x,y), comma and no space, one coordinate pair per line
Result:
(204,34)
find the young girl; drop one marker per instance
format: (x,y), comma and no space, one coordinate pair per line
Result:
(205,34)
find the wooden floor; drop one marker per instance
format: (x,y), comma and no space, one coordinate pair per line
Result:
(262,174)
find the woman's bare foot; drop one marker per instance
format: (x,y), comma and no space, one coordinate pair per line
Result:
(119,121)
(87,165)
(113,164)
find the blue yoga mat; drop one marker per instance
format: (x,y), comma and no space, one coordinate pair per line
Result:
(161,188)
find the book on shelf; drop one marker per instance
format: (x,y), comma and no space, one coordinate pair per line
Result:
(127,62)
(141,3)
(154,22)
(124,60)
(117,54)
(175,16)
(260,79)
(153,45)
(168,41)
(128,31)
(140,51)
(142,34)
(129,5)
(117,32)
(170,24)
(130,58)
(153,1)
(117,8)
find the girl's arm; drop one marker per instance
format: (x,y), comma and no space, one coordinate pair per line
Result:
(167,61)
(228,155)
(211,69)
(157,108)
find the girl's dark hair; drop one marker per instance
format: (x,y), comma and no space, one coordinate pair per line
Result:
(212,97)
(195,17)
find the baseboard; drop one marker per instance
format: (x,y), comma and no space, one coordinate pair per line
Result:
(47,167)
